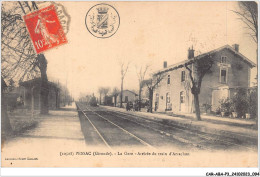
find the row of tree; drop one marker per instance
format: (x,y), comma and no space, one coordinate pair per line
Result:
(150,83)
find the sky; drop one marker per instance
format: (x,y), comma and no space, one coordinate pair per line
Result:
(149,33)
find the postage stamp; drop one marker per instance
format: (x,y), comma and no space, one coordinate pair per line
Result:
(102,20)
(45,29)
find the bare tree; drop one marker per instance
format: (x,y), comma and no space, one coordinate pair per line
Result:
(19,60)
(11,85)
(106,90)
(115,94)
(124,68)
(18,56)
(100,91)
(103,91)
(151,85)
(248,14)
(141,73)
(197,69)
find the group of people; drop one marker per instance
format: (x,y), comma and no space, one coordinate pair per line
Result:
(136,106)
(132,106)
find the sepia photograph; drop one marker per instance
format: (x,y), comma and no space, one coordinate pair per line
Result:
(129,84)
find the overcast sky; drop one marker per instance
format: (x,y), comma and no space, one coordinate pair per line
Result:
(149,32)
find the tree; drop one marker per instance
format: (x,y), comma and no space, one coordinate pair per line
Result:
(64,95)
(151,85)
(197,68)
(11,85)
(5,121)
(124,68)
(141,76)
(115,93)
(100,91)
(248,14)
(106,90)
(42,65)
(18,56)
(19,60)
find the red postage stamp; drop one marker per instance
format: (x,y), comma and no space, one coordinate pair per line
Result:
(45,29)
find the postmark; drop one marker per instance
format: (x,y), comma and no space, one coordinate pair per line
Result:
(102,20)
(63,16)
(62,13)
(45,29)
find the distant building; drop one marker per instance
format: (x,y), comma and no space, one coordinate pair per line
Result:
(108,100)
(230,70)
(126,97)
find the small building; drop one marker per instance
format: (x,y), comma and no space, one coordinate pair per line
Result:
(127,96)
(32,89)
(108,100)
(230,70)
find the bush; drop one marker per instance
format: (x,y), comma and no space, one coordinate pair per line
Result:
(225,106)
(207,107)
(240,102)
(218,111)
(253,104)
(244,101)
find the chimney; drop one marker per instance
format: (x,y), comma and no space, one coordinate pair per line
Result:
(190,53)
(165,64)
(236,47)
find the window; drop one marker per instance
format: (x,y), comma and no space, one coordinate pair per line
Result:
(156,102)
(169,79)
(223,76)
(168,102)
(223,59)
(157,97)
(126,98)
(168,99)
(182,97)
(183,76)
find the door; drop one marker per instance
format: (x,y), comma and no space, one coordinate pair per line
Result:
(215,100)
(156,106)
(168,102)
(182,102)
(126,99)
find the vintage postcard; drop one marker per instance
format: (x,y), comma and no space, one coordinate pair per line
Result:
(129,84)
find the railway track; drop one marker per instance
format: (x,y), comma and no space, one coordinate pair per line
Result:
(165,133)
(173,137)
(199,140)
(210,137)
(99,134)
(102,136)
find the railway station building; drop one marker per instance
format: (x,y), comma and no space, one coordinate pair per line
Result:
(31,89)
(230,70)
